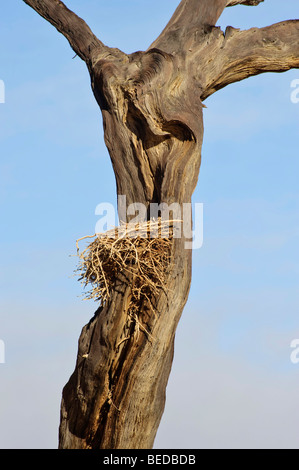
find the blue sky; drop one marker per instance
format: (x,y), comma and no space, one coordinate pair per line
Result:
(232,383)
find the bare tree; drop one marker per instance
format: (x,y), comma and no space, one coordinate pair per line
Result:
(151,102)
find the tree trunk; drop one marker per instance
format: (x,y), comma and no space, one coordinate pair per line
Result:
(116,395)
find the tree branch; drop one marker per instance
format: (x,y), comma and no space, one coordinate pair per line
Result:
(239,54)
(251,3)
(191,15)
(81,38)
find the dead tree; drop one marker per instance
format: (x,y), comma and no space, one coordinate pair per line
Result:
(151,102)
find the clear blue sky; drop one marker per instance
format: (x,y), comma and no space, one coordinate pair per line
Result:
(232,382)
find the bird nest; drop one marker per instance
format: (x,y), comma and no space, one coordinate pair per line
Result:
(141,253)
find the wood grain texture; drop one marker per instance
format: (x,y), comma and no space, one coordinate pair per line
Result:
(252,3)
(116,396)
(241,54)
(151,102)
(189,18)
(81,38)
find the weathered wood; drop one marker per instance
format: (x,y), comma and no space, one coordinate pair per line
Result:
(116,396)
(238,54)
(189,19)
(76,31)
(231,3)
(151,104)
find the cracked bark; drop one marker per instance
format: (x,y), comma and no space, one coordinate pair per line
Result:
(151,102)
